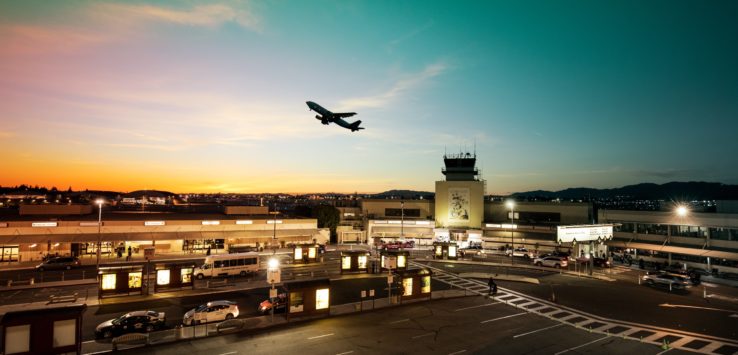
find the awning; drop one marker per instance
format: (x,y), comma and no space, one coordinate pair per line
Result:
(92,237)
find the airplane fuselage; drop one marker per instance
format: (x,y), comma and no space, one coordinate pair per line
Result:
(327,117)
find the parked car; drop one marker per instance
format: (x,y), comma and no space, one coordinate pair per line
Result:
(133,322)
(559,254)
(599,262)
(521,252)
(60,262)
(211,312)
(551,261)
(279,304)
(666,279)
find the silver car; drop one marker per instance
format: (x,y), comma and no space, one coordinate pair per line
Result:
(666,279)
(211,312)
(551,261)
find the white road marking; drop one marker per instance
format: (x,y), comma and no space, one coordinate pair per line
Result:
(585,344)
(400,321)
(89,341)
(423,335)
(458,352)
(696,307)
(344,353)
(669,349)
(320,336)
(512,315)
(229,353)
(481,305)
(539,330)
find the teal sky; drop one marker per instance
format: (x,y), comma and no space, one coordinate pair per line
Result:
(210,96)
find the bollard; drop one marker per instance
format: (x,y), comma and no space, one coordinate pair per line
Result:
(670,286)
(704,292)
(31,281)
(10,283)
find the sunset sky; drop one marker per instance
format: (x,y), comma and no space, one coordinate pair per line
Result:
(210,96)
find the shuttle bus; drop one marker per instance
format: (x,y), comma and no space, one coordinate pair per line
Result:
(228,264)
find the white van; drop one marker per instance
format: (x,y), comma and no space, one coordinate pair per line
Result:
(228,264)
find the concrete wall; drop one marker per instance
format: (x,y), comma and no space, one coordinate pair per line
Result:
(374,209)
(571,213)
(246,210)
(56,210)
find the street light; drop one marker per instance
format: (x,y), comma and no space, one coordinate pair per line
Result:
(274,222)
(99,203)
(511,205)
(402,222)
(682,211)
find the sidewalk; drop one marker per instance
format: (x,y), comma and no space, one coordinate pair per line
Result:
(519,266)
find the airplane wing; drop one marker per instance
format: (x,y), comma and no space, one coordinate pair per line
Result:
(343,114)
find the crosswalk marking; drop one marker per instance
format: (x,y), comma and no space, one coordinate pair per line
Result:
(550,310)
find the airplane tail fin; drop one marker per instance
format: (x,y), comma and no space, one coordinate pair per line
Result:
(355,126)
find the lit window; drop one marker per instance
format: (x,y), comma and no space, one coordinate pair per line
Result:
(407,286)
(162,277)
(401,261)
(18,339)
(65,333)
(439,250)
(321,298)
(186,274)
(108,281)
(134,280)
(346,262)
(362,261)
(311,253)
(452,251)
(296,302)
(298,253)
(425,286)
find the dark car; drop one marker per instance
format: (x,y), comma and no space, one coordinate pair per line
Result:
(601,262)
(279,304)
(134,322)
(59,262)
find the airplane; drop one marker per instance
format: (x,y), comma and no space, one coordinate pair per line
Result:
(327,117)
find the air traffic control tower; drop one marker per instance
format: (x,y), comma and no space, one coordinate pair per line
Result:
(460,198)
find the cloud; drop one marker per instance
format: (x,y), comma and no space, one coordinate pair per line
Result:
(397,41)
(210,15)
(400,88)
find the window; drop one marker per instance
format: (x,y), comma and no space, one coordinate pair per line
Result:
(688,231)
(398,212)
(407,286)
(401,261)
(108,281)
(298,253)
(362,261)
(18,339)
(162,277)
(218,264)
(658,229)
(296,302)
(311,253)
(625,227)
(723,234)
(439,250)
(321,299)
(452,251)
(425,284)
(186,274)
(65,332)
(345,262)
(134,280)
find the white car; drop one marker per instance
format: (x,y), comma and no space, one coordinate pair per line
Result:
(521,252)
(551,261)
(211,312)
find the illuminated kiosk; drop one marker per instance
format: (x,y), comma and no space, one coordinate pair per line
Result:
(48,330)
(354,261)
(415,284)
(305,253)
(120,280)
(308,298)
(444,250)
(401,256)
(174,276)
(587,241)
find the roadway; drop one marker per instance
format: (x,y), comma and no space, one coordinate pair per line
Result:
(449,326)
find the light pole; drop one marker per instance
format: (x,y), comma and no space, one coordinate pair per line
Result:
(99,203)
(274,222)
(402,221)
(273,276)
(511,205)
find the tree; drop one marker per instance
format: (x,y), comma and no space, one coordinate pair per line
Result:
(328,217)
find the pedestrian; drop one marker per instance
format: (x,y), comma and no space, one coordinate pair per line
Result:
(130,252)
(492,287)
(208,253)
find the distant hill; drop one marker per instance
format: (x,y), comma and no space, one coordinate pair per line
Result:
(404,194)
(646,191)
